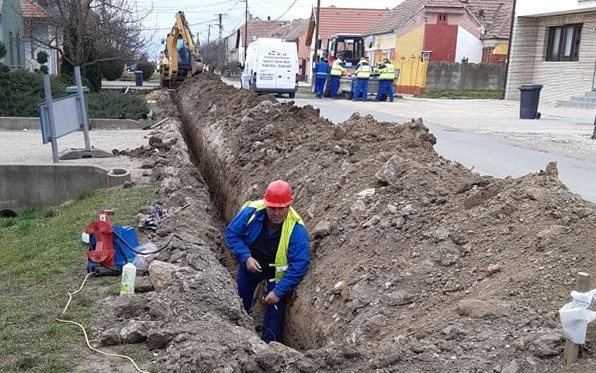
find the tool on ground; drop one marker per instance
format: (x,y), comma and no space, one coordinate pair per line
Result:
(111,246)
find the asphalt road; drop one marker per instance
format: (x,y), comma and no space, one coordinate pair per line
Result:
(488,137)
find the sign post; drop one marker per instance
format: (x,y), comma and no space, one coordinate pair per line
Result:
(50,116)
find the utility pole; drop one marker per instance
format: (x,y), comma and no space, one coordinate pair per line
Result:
(209,34)
(314,54)
(245,31)
(219,15)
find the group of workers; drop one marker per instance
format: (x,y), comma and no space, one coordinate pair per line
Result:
(362,73)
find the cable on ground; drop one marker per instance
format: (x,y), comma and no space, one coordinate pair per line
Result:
(70,295)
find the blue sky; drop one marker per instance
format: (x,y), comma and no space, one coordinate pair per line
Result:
(203,15)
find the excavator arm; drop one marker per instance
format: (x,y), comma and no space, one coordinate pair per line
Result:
(181,58)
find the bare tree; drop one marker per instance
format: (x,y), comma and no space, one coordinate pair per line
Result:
(86,32)
(214,55)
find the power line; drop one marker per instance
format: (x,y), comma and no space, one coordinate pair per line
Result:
(287,10)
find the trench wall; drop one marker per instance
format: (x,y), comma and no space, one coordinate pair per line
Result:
(209,144)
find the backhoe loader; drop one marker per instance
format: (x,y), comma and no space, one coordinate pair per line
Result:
(180,59)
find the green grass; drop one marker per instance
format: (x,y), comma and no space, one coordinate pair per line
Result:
(42,258)
(464,94)
(302,90)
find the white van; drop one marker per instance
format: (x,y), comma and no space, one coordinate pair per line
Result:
(271,67)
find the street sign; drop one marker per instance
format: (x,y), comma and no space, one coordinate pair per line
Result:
(67,117)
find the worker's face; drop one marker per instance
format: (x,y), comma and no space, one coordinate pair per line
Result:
(277,215)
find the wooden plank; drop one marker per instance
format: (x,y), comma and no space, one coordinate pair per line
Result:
(582,284)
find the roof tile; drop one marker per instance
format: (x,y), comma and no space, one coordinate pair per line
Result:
(292,31)
(496,15)
(33,10)
(258,28)
(353,20)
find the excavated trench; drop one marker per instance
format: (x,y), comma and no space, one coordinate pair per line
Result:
(417,264)
(207,156)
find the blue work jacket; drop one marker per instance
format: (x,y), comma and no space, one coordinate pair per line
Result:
(321,68)
(240,234)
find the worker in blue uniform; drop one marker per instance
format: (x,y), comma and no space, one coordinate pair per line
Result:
(386,78)
(321,70)
(362,72)
(270,242)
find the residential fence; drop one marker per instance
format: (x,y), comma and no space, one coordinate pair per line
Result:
(465,76)
(417,77)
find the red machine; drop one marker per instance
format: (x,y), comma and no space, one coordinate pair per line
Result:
(102,230)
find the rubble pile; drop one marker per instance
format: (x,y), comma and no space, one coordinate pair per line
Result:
(418,264)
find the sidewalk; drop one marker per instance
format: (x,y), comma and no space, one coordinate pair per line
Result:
(560,130)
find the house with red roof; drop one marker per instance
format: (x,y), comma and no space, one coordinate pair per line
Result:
(444,30)
(333,21)
(237,42)
(37,36)
(294,31)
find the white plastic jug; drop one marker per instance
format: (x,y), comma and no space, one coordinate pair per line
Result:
(127,283)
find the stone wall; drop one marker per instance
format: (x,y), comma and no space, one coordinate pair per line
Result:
(465,76)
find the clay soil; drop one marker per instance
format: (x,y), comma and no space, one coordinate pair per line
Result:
(417,263)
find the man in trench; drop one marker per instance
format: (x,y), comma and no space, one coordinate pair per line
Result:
(270,242)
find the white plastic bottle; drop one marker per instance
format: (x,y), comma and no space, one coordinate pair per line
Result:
(127,283)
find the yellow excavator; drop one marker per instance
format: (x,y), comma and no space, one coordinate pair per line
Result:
(180,58)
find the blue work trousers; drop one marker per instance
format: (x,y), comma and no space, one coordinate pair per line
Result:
(273,322)
(385,86)
(320,85)
(334,86)
(361,90)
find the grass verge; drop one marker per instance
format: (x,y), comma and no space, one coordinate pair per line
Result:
(42,258)
(464,94)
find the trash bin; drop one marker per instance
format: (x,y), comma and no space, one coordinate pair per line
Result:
(138,78)
(528,103)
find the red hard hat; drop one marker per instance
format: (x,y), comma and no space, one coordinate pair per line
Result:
(278,194)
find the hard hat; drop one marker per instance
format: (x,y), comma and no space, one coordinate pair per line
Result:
(278,194)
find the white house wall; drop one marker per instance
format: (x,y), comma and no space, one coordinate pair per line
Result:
(525,8)
(468,46)
(560,79)
(384,45)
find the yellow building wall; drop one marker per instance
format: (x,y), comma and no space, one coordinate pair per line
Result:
(410,44)
(500,48)
(412,76)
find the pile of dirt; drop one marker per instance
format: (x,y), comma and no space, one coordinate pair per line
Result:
(418,264)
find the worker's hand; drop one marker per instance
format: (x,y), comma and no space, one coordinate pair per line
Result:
(252,265)
(271,298)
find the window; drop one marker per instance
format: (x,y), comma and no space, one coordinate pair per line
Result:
(442,18)
(487,53)
(563,43)
(18,45)
(10,49)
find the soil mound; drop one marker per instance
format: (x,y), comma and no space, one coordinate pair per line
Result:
(418,264)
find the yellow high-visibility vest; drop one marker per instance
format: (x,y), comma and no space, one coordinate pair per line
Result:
(388,72)
(363,71)
(281,256)
(337,69)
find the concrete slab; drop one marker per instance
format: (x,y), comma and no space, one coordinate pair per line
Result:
(83,153)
